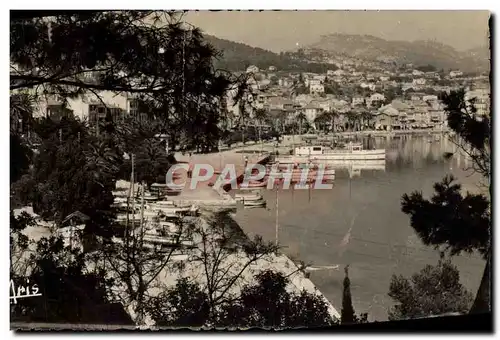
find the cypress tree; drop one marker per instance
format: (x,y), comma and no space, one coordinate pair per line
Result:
(347,315)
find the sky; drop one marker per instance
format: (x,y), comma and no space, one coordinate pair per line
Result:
(283,30)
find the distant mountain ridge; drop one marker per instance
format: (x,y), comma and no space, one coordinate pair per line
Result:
(238,56)
(417,52)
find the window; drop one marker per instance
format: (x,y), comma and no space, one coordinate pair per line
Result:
(100,109)
(317,148)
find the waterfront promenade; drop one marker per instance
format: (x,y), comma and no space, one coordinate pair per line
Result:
(203,194)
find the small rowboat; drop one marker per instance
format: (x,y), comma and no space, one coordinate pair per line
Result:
(255,204)
(249,196)
(253,184)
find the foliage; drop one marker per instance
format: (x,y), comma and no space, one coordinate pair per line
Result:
(20,153)
(19,242)
(333,88)
(266,304)
(135,266)
(184,305)
(392,93)
(68,293)
(426,68)
(450,220)
(435,290)
(140,268)
(140,140)
(151,57)
(473,129)
(71,172)
(20,158)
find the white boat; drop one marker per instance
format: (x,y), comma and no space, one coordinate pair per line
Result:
(121,205)
(122,218)
(172,209)
(255,204)
(321,154)
(164,203)
(248,197)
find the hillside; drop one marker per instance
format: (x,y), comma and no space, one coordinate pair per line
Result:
(237,57)
(416,52)
(482,53)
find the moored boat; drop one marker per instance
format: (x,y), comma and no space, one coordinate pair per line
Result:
(253,184)
(171,210)
(321,154)
(255,204)
(248,197)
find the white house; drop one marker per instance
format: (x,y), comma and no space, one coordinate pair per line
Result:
(367,85)
(80,105)
(357,101)
(252,69)
(263,83)
(429,98)
(312,81)
(419,81)
(316,88)
(376,97)
(457,73)
(417,73)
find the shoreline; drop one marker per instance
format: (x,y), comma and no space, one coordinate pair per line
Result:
(372,132)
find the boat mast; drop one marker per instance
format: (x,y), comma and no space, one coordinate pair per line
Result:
(142,214)
(132,193)
(277,214)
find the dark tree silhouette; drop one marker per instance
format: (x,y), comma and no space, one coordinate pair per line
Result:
(20,157)
(348,315)
(72,171)
(435,290)
(451,220)
(265,304)
(185,305)
(149,56)
(69,294)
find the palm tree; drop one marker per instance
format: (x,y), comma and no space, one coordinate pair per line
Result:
(367,119)
(301,117)
(356,120)
(21,111)
(332,116)
(260,116)
(320,120)
(282,117)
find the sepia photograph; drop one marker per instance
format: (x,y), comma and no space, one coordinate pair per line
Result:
(250,170)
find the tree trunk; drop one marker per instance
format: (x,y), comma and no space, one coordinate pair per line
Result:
(482,301)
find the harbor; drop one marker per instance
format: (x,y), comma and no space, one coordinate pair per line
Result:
(363,207)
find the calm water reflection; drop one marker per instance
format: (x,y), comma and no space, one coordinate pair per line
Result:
(313,223)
